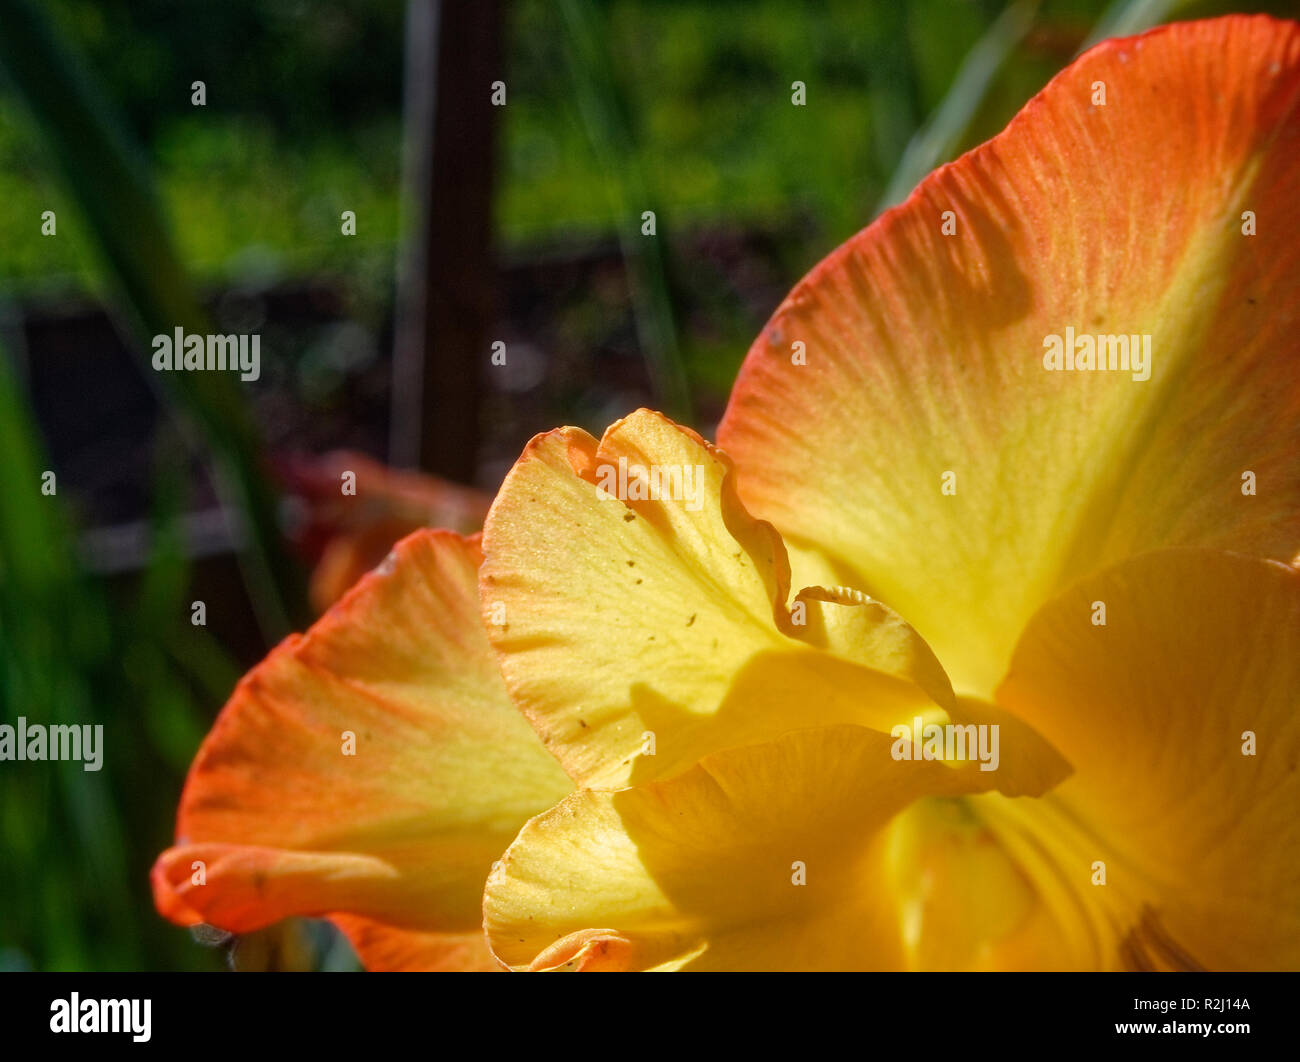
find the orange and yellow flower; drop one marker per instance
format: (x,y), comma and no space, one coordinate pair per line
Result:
(662,730)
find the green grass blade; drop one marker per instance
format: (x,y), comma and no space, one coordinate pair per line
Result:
(604,115)
(938,140)
(1126,17)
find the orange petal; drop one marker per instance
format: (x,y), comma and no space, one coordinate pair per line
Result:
(348,534)
(279,818)
(924,351)
(381,947)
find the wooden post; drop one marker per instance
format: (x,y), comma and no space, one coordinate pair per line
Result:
(446,281)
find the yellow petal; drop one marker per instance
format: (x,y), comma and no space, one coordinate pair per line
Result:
(638,635)
(1201,842)
(279,817)
(912,358)
(967,900)
(699,871)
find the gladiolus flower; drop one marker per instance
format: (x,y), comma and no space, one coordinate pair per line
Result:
(696,708)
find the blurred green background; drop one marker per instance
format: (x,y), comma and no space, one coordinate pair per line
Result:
(168,212)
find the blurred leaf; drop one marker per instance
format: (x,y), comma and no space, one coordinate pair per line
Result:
(77,844)
(53,629)
(109,181)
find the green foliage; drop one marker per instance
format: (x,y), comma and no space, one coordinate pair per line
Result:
(109,183)
(77,844)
